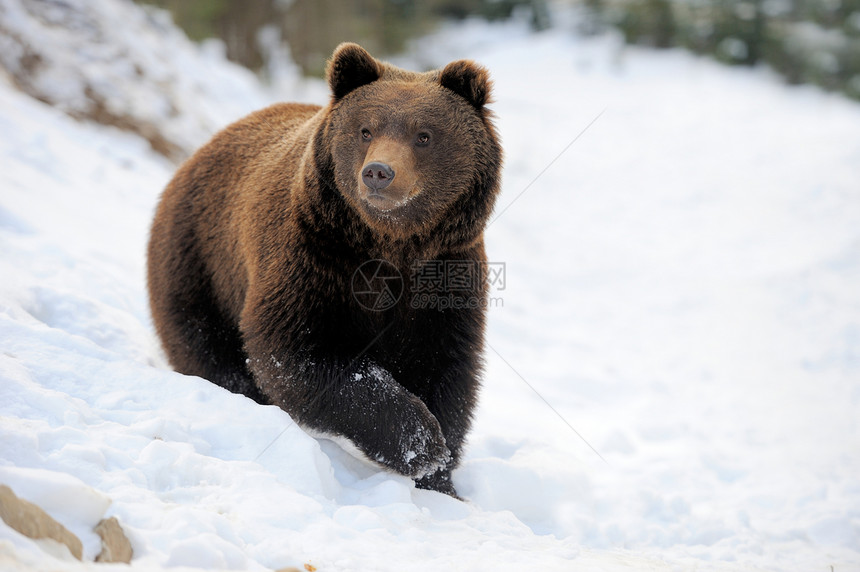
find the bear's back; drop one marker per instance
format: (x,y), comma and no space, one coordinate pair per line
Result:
(211,197)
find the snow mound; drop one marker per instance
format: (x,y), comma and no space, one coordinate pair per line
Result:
(121,64)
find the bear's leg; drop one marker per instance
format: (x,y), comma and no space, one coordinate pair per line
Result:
(355,399)
(451,401)
(215,349)
(390,424)
(317,365)
(198,338)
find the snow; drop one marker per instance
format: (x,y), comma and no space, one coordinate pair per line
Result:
(680,295)
(125,65)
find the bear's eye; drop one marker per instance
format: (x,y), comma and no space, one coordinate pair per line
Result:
(422,140)
(366,135)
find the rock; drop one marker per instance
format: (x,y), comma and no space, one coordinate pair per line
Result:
(35,523)
(115,545)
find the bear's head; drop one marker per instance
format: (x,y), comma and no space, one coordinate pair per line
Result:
(412,153)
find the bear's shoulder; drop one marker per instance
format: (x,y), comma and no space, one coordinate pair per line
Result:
(273,119)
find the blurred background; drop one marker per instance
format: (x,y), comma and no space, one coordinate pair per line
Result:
(94,61)
(806,41)
(254,30)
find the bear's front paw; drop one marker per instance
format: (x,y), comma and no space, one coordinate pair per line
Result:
(440,481)
(422,448)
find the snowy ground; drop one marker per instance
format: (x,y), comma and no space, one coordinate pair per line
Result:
(681,291)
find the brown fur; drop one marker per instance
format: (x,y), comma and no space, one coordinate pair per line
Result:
(258,235)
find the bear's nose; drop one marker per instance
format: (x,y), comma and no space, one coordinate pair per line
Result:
(377,176)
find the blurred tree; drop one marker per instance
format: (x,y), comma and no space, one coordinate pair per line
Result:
(237,23)
(648,22)
(808,41)
(815,41)
(592,21)
(739,31)
(313,28)
(197,17)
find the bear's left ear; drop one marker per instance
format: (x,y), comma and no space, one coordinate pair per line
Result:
(468,80)
(351,67)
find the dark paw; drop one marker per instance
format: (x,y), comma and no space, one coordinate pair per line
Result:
(439,481)
(422,448)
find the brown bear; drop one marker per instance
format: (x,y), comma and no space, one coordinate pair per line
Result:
(258,238)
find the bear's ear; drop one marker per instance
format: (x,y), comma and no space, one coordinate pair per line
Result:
(351,67)
(468,80)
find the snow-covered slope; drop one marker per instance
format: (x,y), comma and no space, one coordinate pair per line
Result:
(116,63)
(681,290)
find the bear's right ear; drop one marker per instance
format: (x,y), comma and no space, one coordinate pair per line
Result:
(351,67)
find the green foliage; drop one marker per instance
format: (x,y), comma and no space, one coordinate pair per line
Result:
(313,28)
(199,18)
(807,41)
(647,22)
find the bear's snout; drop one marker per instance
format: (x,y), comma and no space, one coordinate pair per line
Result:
(377,175)
(388,176)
